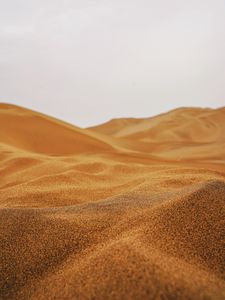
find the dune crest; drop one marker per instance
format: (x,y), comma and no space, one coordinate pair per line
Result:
(130,209)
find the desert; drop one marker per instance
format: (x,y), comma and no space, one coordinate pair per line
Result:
(129,209)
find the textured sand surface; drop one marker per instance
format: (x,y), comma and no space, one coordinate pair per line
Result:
(130,209)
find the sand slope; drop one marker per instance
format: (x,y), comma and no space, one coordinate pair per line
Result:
(185,133)
(111,212)
(31,131)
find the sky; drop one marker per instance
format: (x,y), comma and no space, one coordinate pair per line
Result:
(88,61)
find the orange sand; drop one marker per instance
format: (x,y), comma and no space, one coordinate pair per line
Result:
(130,209)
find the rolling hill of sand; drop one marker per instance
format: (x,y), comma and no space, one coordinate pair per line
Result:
(185,133)
(130,209)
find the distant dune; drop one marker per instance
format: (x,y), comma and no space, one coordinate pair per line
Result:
(31,131)
(185,133)
(130,209)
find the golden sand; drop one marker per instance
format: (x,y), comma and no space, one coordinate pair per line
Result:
(130,209)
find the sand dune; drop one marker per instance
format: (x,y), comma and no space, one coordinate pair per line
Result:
(179,125)
(186,133)
(35,132)
(131,209)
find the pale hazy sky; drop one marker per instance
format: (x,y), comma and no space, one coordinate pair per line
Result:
(88,61)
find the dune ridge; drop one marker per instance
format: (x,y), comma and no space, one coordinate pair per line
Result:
(130,209)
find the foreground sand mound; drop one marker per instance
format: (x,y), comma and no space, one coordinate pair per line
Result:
(110,224)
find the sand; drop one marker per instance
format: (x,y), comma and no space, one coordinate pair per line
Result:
(130,209)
